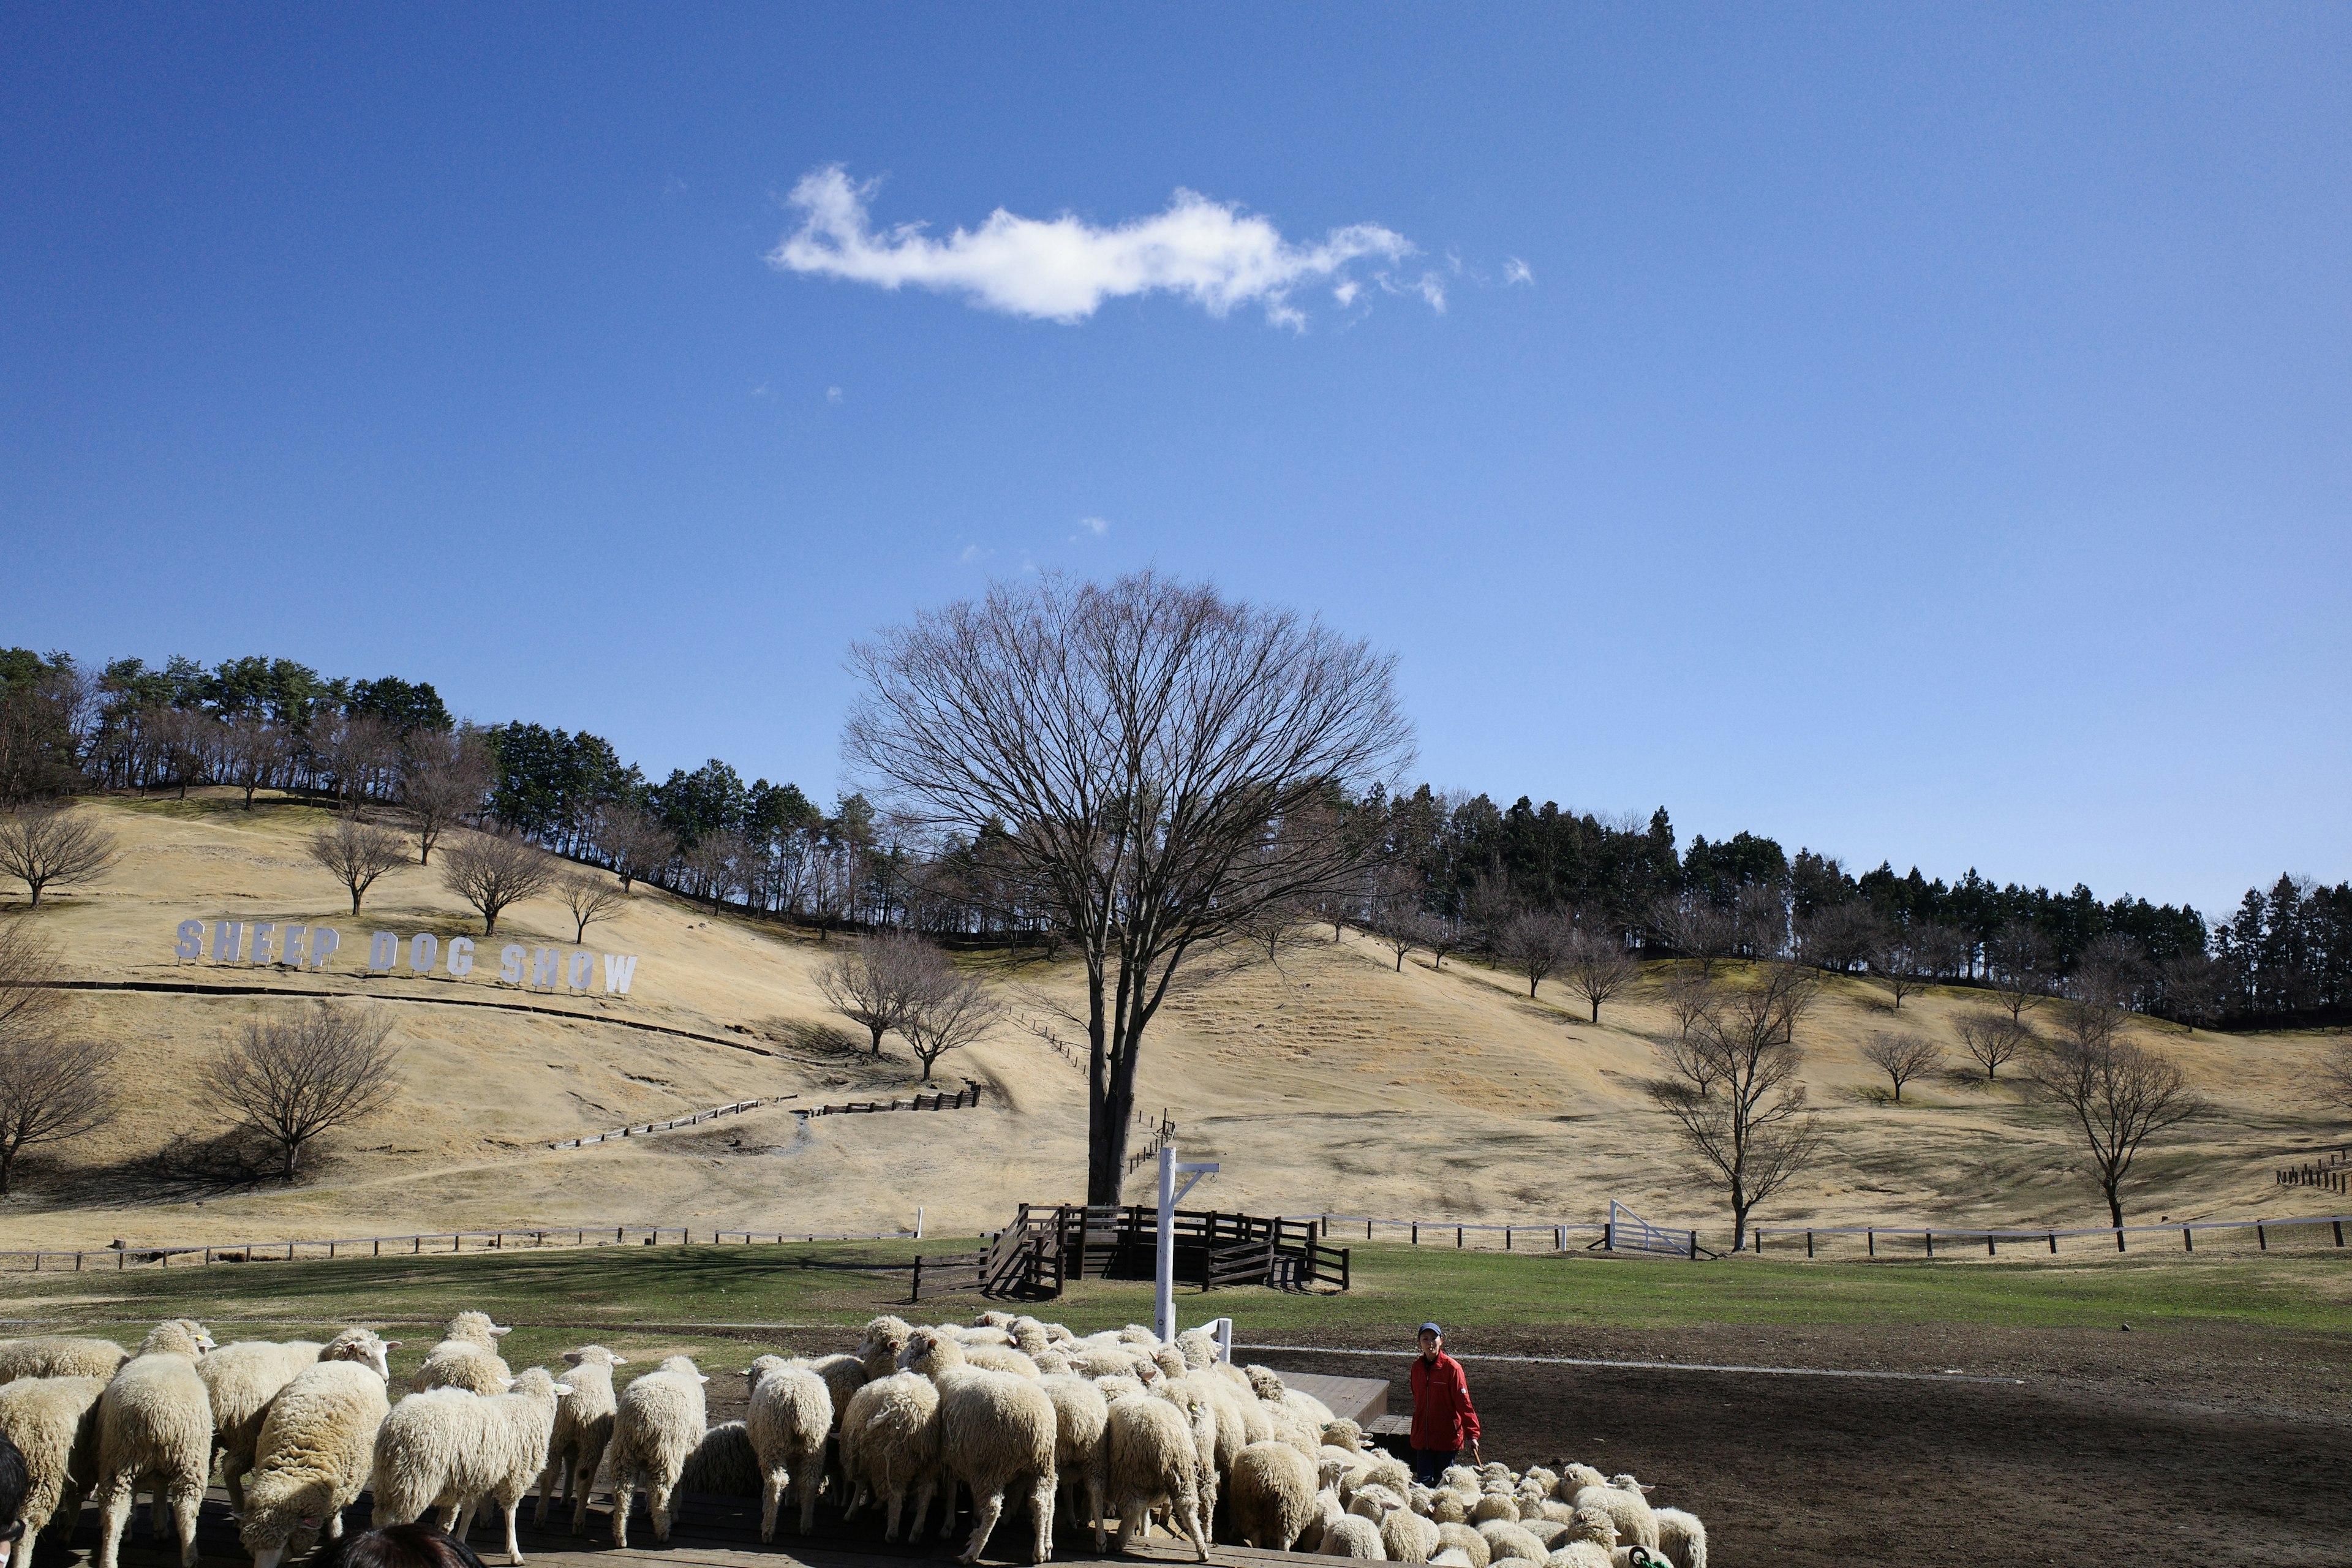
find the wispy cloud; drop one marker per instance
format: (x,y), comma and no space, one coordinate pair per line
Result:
(1095,525)
(1517,271)
(1063,269)
(833,395)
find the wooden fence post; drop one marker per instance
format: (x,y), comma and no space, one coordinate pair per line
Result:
(1989,1251)
(2119,1238)
(2187,1243)
(2261,1240)
(1809,1244)
(2053,1243)
(1872,1239)
(1931,1242)
(1458,1235)
(1694,1246)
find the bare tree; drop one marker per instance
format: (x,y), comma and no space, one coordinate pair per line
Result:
(1838,938)
(53,846)
(1534,944)
(355,854)
(252,750)
(493,870)
(355,751)
(1893,963)
(636,844)
(52,1088)
(878,982)
(1442,936)
(1599,967)
(2193,987)
(1140,743)
(1695,928)
(949,1015)
(2112,972)
(589,899)
(444,776)
(1903,1058)
(1688,998)
(1400,928)
(2335,1073)
(291,1080)
(1938,951)
(2120,1093)
(1994,1040)
(1731,1087)
(2018,961)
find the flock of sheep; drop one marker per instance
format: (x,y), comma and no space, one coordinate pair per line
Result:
(1114,1426)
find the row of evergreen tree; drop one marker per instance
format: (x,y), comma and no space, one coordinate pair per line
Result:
(2283,954)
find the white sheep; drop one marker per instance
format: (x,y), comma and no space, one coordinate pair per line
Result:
(1151,1460)
(59,1355)
(53,1421)
(1270,1495)
(450,1447)
(1622,1500)
(789,1415)
(316,1446)
(879,1343)
(724,1463)
(1508,1538)
(467,1357)
(240,1380)
(996,1431)
(658,1424)
(1590,1541)
(1352,1535)
(1464,1538)
(889,1443)
(1081,1416)
(155,1423)
(1682,1539)
(584,1426)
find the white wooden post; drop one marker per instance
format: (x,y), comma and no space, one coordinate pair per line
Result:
(1164,1274)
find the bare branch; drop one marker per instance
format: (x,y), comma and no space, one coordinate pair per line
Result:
(589,899)
(1994,1039)
(2119,1093)
(879,981)
(1599,967)
(292,1080)
(493,870)
(53,846)
(356,854)
(949,1014)
(1903,1058)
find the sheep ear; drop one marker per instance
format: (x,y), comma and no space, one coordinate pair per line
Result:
(620,1360)
(561,1389)
(572,1358)
(702,1377)
(496,1330)
(393,1344)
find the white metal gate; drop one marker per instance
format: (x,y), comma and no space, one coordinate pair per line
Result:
(1629,1232)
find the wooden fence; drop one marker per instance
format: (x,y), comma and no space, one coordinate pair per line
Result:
(2331,1172)
(638,1129)
(964,1098)
(120,1259)
(1044,1248)
(961,1099)
(1878,1241)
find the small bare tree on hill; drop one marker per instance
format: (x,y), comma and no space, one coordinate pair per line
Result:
(253,751)
(1895,964)
(1599,967)
(952,1013)
(355,854)
(1903,1058)
(1731,1087)
(1695,930)
(589,899)
(879,981)
(1534,942)
(638,845)
(444,778)
(494,870)
(53,846)
(291,1080)
(2018,961)
(2335,1073)
(2118,1092)
(52,1088)
(1993,1040)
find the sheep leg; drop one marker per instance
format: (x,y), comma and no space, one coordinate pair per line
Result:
(624,1498)
(513,1505)
(334,1524)
(893,1505)
(985,1512)
(1095,1489)
(926,1486)
(808,1484)
(657,1503)
(584,1475)
(113,1513)
(547,1488)
(771,1492)
(188,1496)
(1187,1511)
(1130,1523)
(1040,1507)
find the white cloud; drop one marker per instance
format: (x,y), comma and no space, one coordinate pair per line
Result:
(1517,271)
(833,395)
(972,553)
(1346,293)
(1063,269)
(1095,525)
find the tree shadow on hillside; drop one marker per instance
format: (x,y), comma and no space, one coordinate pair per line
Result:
(186,1168)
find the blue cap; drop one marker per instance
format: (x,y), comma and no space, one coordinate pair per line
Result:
(1432,1329)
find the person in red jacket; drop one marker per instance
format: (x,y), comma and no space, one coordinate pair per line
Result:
(1443,1421)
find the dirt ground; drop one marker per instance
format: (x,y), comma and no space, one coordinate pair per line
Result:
(2112,1446)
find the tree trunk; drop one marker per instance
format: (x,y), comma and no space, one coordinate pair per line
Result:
(1596,1010)
(293,1154)
(878,1031)
(355,903)
(36,887)
(2115,1206)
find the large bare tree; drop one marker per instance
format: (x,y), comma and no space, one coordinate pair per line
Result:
(1144,744)
(949,1014)
(52,1086)
(1730,1084)
(878,982)
(291,1080)
(53,846)
(637,845)
(356,852)
(1598,966)
(492,870)
(2118,1092)
(1534,942)
(444,778)
(1902,1058)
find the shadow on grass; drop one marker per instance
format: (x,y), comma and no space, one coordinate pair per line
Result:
(185,1169)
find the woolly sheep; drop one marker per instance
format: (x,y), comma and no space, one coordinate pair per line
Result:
(1270,1495)
(1081,1416)
(1494,1505)
(448,1448)
(1150,1458)
(844,1375)
(149,1419)
(1628,1510)
(724,1463)
(1407,1537)
(790,1413)
(890,1442)
(467,1357)
(1549,1532)
(879,1344)
(58,1356)
(1350,1535)
(1463,1538)
(1000,1358)
(656,1424)
(1445,1507)
(53,1421)
(316,1446)
(240,1380)
(1591,1543)
(1682,1539)
(1373,1501)
(1574,1478)
(996,1431)
(1344,1433)
(1509,1539)
(584,1426)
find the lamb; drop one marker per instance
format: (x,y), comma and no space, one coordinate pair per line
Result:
(1622,1502)
(53,1421)
(879,1344)
(844,1375)
(791,1414)
(1407,1537)
(1000,1358)
(890,1441)
(1464,1539)
(241,1379)
(466,1357)
(1351,1535)
(1081,1416)
(447,1447)
(1494,1506)
(1682,1539)
(58,1356)
(1509,1539)
(996,1431)
(1591,1543)
(315,1446)
(584,1426)
(657,1423)
(1270,1495)
(1151,1460)
(148,1424)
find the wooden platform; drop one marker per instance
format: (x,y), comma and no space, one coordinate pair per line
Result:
(1358,1399)
(711,1533)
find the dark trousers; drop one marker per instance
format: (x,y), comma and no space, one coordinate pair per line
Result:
(1428,1464)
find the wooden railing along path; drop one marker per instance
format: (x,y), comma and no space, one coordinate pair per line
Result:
(120,1258)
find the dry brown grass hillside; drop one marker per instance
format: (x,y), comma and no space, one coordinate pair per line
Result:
(1329,1082)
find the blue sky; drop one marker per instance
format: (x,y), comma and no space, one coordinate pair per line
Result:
(1917,433)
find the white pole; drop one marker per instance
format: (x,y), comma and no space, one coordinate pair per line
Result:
(1163,1297)
(918,1222)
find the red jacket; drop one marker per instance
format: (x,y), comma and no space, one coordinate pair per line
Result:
(1442,1417)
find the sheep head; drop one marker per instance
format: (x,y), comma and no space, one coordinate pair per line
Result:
(931,1351)
(363,1346)
(177,1336)
(1591,1524)
(474,1328)
(1266,1383)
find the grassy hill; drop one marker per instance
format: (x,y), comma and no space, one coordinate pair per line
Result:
(1327,1082)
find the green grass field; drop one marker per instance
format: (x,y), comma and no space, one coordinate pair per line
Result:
(660,1300)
